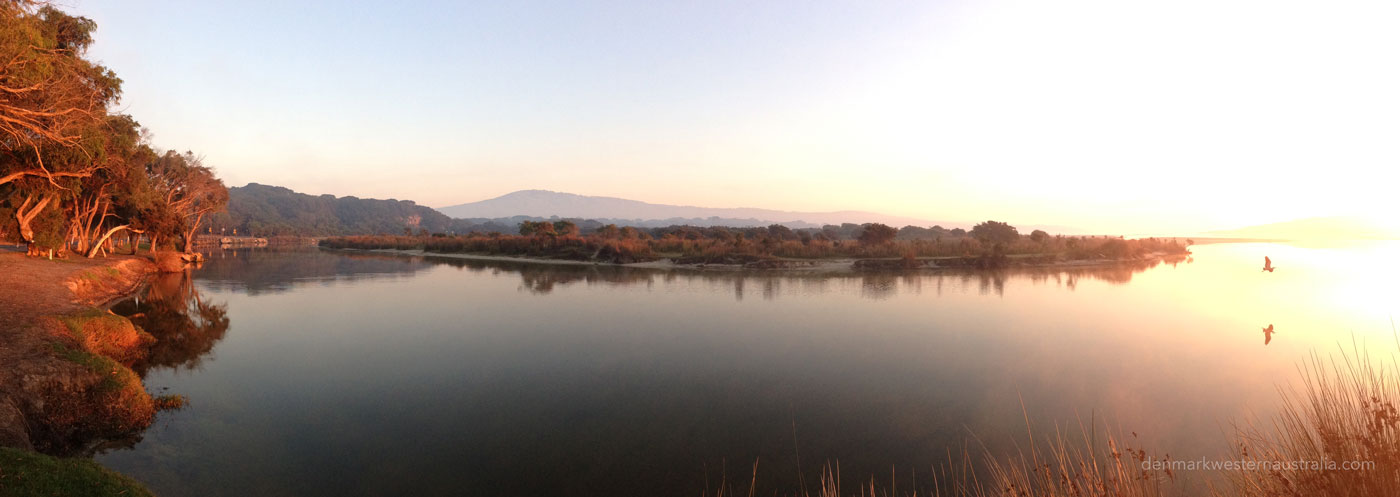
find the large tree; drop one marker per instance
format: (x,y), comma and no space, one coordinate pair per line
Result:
(53,108)
(877,234)
(187,192)
(995,232)
(49,92)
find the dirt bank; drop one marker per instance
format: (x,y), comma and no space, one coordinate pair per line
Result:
(64,380)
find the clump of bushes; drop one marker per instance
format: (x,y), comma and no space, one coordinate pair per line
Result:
(991,242)
(547,245)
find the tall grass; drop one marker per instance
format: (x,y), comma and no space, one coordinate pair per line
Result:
(1341,409)
(1345,411)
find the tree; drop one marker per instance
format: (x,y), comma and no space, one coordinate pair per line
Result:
(566,228)
(610,232)
(993,232)
(537,228)
(877,234)
(1039,236)
(781,232)
(73,174)
(49,93)
(187,191)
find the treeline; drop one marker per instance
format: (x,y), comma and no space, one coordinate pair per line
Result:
(685,244)
(75,175)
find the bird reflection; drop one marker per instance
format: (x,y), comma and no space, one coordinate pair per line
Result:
(1268,265)
(1268,334)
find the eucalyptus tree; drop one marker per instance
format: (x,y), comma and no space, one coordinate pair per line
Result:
(186,193)
(49,91)
(53,105)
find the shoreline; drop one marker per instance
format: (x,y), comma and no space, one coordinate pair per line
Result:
(810,266)
(67,384)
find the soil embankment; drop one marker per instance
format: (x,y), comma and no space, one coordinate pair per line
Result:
(65,383)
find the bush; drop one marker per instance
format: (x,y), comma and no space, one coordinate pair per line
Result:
(723,245)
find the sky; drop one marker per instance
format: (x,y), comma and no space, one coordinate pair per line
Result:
(1109,116)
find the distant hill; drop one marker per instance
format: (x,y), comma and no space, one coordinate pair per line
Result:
(1316,228)
(263,210)
(544,204)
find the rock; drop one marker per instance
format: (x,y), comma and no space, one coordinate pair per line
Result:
(12,432)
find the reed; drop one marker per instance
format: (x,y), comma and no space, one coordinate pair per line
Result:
(1343,409)
(1344,413)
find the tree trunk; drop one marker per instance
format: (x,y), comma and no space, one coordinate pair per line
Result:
(97,246)
(189,237)
(26,218)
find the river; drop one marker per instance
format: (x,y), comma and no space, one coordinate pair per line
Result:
(313,372)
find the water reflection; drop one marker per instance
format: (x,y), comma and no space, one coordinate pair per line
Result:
(261,270)
(542,279)
(186,327)
(258,271)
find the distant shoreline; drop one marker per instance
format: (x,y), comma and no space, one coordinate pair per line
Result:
(814,266)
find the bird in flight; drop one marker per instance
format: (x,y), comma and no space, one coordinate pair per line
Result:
(1268,265)
(1268,334)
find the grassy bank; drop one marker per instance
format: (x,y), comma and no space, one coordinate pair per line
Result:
(67,385)
(30,474)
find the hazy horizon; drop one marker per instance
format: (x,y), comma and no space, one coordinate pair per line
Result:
(1107,116)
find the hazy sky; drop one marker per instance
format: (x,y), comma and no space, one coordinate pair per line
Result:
(1112,116)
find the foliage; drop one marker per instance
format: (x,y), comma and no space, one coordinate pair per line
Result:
(994,232)
(52,94)
(876,234)
(73,173)
(713,245)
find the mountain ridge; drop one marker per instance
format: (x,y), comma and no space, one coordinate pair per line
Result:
(547,203)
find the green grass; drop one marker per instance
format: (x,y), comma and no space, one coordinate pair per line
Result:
(111,381)
(97,274)
(25,474)
(76,321)
(106,334)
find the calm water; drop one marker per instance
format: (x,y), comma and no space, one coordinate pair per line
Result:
(318,373)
